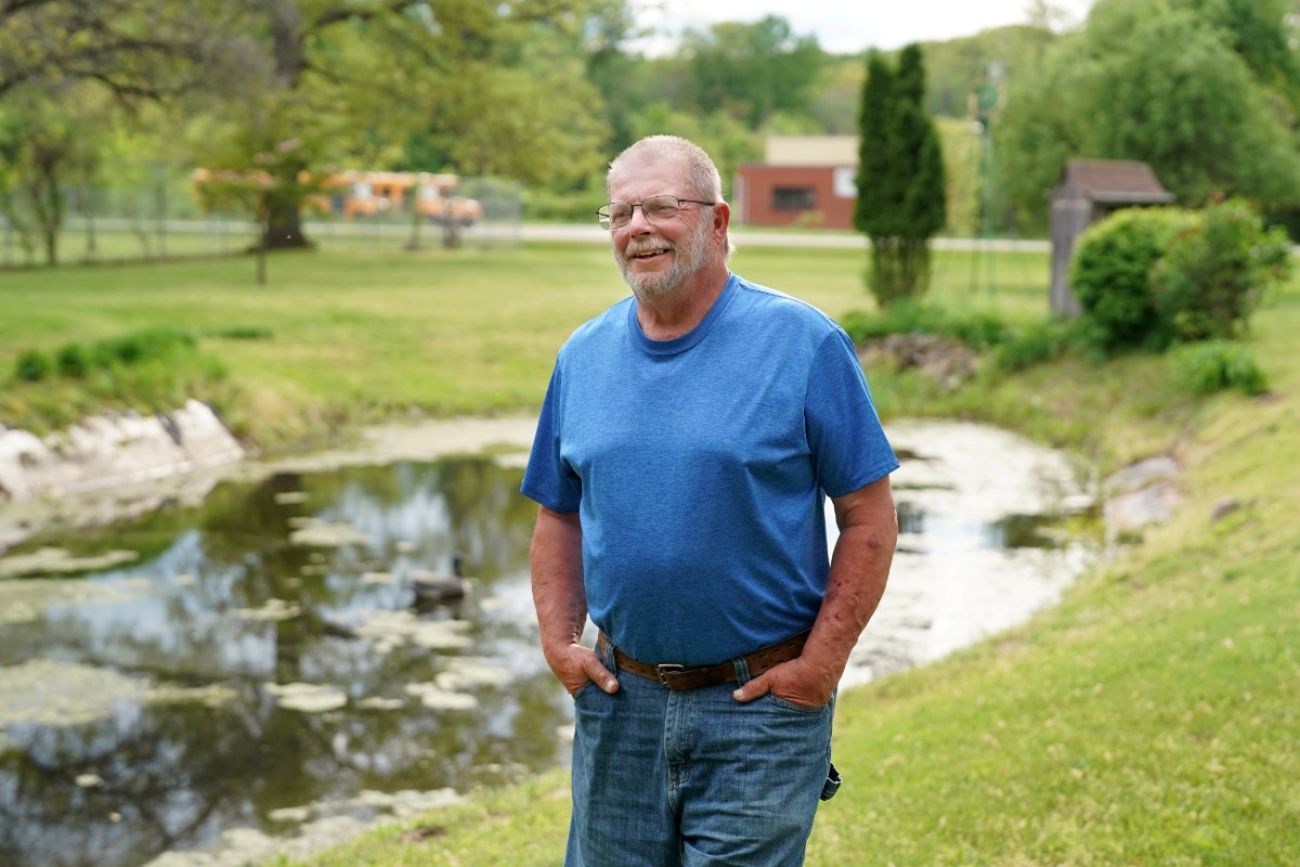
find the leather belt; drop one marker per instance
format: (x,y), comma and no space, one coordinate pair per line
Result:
(675,676)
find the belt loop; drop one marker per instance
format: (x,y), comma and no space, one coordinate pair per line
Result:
(742,670)
(605,651)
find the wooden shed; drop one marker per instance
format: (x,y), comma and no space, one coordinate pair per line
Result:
(1091,190)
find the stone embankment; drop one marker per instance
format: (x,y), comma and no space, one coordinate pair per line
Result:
(108,455)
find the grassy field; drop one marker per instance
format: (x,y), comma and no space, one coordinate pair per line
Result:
(1153,718)
(360,337)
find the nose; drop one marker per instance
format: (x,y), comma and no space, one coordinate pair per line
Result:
(638,212)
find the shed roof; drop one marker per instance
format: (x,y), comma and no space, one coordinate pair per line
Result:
(1111,182)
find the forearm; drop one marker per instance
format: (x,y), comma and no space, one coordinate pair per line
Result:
(859,569)
(558,594)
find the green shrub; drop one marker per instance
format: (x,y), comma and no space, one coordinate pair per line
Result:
(978,330)
(1036,344)
(32,366)
(1111,275)
(145,345)
(243,332)
(1205,368)
(72,361)
(1213,274)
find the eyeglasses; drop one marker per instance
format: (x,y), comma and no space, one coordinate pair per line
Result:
(657,209)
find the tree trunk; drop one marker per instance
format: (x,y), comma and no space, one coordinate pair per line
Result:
(284,225)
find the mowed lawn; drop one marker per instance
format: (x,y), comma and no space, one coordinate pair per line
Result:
(366,336)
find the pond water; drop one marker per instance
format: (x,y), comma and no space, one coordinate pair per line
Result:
(257,665)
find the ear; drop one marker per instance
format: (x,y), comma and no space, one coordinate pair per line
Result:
(721,221)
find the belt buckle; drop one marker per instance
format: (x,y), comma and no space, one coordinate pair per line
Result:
(664,669)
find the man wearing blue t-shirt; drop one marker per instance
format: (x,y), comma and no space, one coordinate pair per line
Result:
(688,439)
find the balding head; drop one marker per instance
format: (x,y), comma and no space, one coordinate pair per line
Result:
(698,171)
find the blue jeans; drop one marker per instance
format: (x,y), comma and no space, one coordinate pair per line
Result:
(669,778)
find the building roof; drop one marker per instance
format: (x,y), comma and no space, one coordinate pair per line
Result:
(1111,182)
(812,150)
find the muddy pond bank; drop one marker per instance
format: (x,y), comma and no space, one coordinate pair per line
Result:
(249,675)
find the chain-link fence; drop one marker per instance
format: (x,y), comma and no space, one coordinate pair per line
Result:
(162,219)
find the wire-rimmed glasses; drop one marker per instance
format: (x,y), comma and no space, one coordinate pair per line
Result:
(657,209)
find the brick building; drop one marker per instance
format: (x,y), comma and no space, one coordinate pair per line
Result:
(804,180)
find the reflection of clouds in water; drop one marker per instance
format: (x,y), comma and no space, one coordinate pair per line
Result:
(953,582)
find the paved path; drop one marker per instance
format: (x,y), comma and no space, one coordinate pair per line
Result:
(582,233)
(750,237)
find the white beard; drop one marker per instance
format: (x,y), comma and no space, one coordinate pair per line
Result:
(688,257)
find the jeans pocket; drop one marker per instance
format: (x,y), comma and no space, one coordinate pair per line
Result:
(586,686)
(797,708)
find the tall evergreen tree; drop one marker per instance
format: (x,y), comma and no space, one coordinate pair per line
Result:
(900,179)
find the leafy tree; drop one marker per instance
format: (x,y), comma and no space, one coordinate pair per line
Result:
(360,79)
(137,48)
(901,199)
(50,138)
(1155,81)
(752,71)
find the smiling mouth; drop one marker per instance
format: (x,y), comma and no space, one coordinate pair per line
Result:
(647,254)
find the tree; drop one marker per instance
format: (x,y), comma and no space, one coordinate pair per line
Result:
(1155,81)
(50,138)
(901,198)
(360,79)
(753,70)
(136,48)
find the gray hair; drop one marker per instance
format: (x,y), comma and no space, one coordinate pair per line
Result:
(701,174)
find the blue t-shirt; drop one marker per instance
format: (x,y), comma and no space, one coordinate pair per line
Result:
(699,465)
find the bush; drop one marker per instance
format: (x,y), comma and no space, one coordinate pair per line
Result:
(977,330)
(149,344)
(1111,275)
(1036,344)
(1213,274)
(243,332)
(1205,368)
(32,366)
(72,361)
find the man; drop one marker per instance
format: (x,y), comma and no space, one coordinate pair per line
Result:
(687,439)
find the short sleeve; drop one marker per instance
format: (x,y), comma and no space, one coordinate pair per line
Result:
(848,445)
(548,479)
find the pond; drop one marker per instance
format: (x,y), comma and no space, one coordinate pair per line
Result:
(258,668)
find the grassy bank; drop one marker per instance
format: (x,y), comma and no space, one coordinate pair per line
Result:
(1151,718)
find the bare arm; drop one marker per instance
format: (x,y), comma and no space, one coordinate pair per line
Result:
(561,601)
(859,568)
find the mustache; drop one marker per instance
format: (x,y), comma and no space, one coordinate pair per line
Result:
(647,245)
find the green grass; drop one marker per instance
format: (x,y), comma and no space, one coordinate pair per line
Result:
(361,337)
(1150,719)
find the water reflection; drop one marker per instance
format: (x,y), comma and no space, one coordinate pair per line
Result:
(174,773)
(140,720)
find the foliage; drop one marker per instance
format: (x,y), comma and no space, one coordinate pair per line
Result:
(52,137)
(32,366)
(752,71)
(1162,82)
(1212,275)
(956,66)
(1035,344)
(159,344)
(72,361)
(136,48)
(1111,275)
(1152,277)
(977,329)
(1204,368)
(900,180)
